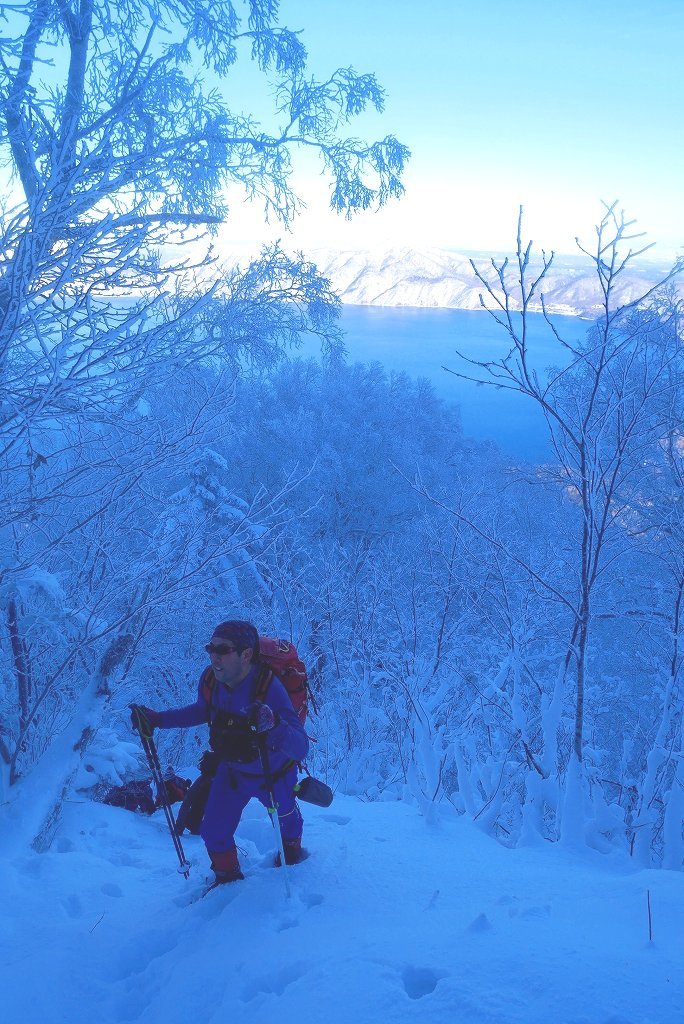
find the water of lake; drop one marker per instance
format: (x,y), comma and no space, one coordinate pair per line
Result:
(423,341)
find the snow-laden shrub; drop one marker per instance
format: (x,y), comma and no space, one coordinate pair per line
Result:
(109,759)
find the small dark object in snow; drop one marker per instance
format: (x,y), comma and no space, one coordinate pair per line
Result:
(313,791)
(133,796)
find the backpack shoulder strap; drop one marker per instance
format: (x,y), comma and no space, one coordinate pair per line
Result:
(262,683)
(207,684)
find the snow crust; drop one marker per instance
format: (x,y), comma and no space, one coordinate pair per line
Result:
(390,919)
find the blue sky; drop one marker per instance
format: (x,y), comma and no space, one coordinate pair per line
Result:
(555,106)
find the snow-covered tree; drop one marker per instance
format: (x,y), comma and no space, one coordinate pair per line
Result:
(605,407)
(119,153)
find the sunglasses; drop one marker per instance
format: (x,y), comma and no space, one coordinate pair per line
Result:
(220,649)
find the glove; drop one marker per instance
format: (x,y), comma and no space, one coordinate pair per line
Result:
(261,718)
(143,719)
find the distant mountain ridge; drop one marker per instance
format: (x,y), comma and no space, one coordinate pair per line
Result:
(442,278)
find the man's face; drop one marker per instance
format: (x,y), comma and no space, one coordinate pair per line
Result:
(229,667)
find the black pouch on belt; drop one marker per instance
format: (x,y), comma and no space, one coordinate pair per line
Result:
(313,791)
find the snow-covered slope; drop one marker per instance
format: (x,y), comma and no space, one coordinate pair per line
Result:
(389,920)
(441,278)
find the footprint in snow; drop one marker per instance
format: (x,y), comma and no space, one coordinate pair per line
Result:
(110,889)
(273,984)
(208,900)
(480,924)
(336,819)
(312,899)
(420,981)
(309,900)
(141,951)
(73,907)
(286,923)
(531,911)
(544,911)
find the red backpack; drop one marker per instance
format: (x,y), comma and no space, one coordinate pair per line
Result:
(276,658)
(280,656)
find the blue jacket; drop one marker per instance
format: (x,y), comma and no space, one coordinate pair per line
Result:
(287,741)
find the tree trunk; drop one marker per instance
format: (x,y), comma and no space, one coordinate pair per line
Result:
(57,770)
(578,739)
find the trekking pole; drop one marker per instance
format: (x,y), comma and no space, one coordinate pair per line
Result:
(273,808)
(150,749)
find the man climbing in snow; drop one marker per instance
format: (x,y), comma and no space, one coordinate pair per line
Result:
(249,738)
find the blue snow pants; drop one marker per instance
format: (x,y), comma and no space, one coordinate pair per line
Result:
(230,793)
